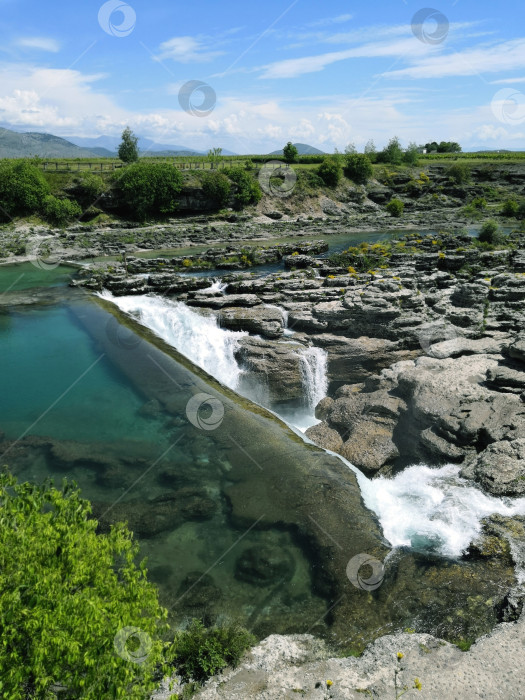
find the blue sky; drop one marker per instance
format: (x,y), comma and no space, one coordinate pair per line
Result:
(324,73)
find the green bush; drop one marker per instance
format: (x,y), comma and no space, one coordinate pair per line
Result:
(148,190)
(521,211)
(217,188)
(247,190)
(395,207)
(60,212)
(330,171)
(358,168)
(23,189)
(87,188)
(491,233)
(65,593)
(479,203)
(392,154)
(198,653)
(510,208)
(459,173)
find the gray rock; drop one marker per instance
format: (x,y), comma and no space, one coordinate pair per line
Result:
(261,320)
(500,468)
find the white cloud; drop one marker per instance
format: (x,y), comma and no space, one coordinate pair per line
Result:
(294,67)
(508,81)
(340,19)
(187,49)
(39,42)
(507,56)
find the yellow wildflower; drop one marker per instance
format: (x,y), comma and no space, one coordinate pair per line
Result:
(400,655)
(329,684)
(417,684)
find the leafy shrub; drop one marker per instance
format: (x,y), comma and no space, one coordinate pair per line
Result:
(510,208)
(148,189)
(23,189)
(247,190)
(198,653)
(491,233)
(60,212)
(395,207)
(358,167)
(216,187)
(459,173)
(87,188)
(392,154)
(65,592)
(330,171)
(521,211)
(479,203)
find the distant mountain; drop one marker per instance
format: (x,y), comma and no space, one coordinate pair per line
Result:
(14,144)
(146,146)
(304,150)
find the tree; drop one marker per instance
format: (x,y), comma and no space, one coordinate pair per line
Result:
(214,154)
(128,151)
(350,149)
(148,189)
(358,168)
(216,187)
(23,189)
(330,171)
(411,154)
(66,593)
(393,153)
(247,191)
(371,151)
(290,152)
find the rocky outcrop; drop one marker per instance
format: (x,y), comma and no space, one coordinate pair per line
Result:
(261,320)
(500,468)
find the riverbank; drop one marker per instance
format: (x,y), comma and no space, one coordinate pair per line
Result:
(302,666)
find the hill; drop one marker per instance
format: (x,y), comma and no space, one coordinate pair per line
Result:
(304,150)
(146,146)
(23,145)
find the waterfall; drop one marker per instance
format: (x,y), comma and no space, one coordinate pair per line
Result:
(195,335)
(314,362)
(430,510)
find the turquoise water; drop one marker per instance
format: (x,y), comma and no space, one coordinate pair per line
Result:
(70,409)
(27,276)
(63,368)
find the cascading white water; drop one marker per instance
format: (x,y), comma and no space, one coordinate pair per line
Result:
(433,509)
(423,508)
(314,363)
(193,334)
(216,287)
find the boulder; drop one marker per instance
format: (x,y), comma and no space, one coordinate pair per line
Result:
(500,468)
(260,320)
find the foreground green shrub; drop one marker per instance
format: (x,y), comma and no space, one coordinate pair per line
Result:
(23,189)
(358,168)
(330,171)
(217,188)
(491,233)
(247,190)
(198,653)
(60,212)
(148,190)
(395,207)
(65,593)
